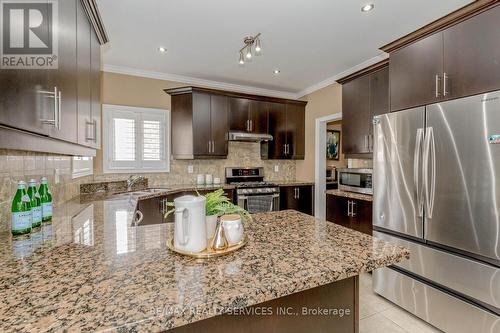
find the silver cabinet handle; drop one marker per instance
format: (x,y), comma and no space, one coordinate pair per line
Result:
(348,208)
(287,149)
(417,169)
(213,146)
(437,81)
(353,205)
(284,149)
(248,125)
(445,84)
(251,125)
(298,192)
(55,121)
(59,107)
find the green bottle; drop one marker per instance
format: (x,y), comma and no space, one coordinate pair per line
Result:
(36,204)
(46,199)
(21,211)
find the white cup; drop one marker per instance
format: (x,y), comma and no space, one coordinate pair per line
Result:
(200,179)
(208,179)
(233,228)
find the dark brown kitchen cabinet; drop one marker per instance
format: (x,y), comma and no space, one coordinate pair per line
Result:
(199,124)
(350,213)
(300,198)
(51,102)
(356,115)
(287,126)
(461,60)
(247,115)
(363,98)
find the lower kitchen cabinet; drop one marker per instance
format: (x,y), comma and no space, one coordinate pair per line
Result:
(350,213)
(300,198)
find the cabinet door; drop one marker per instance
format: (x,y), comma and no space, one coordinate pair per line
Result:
(288,198)
(259,116)
(305,197)
(295,127)
(356,115)
(362,219)
(201,124)
(413,71)
(83,78)
(336,210)
(219,124)
(95,89)
(24,98)
(277,128)
(379,93)
(238,114)
(472,55)
(64,77)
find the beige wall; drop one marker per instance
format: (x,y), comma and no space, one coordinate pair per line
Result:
(320,103)
(129,90)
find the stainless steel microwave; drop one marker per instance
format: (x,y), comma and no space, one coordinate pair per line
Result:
(356,180)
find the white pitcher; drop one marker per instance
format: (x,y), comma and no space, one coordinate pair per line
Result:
(190,229)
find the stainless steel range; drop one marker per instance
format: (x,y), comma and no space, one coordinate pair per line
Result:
(252,192)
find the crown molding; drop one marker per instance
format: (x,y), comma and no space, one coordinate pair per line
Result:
(333,79)
(199,82)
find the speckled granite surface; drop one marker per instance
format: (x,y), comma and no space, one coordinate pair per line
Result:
(92,271)
(352,195)
(294,183)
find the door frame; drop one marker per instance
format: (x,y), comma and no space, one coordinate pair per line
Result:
(320,163)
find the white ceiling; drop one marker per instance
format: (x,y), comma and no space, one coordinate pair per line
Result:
(312,42)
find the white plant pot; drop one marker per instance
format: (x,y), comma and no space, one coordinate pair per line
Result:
(211,224)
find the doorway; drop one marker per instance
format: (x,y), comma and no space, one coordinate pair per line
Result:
(320,161)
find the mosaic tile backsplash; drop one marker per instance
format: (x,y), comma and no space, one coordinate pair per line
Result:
(23,165)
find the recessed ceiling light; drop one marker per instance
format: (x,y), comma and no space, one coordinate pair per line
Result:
(367,7)
(276,71)
(162,49)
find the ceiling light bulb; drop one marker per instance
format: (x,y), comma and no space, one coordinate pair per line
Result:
(276,71)
(258,47)
(162,49)
(249,52)
(242,60)
(367,7)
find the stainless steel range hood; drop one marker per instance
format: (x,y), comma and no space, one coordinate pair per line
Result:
(249,137)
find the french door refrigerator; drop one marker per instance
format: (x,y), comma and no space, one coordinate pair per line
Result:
(436,179)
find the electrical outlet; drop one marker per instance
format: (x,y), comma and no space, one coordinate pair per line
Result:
(276,168)
(190,169)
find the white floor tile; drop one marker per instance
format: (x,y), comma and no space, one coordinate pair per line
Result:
(379,324)
(408,321)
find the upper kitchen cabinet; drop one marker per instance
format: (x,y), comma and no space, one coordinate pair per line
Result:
(287,126)
(247,115)
(199,123)
(52,93)
(364,95)
(458,61)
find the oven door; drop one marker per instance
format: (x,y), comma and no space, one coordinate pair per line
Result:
(259,203)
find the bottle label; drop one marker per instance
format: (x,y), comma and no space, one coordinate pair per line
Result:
(47,209)
(37,214)
(21,220)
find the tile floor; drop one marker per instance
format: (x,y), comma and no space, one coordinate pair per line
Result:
(378,315)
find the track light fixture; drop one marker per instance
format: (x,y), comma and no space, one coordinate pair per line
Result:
(252,47)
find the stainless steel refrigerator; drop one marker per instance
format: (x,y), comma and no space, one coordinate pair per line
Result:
(436,179)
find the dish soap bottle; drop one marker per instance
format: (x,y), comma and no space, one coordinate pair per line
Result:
(36,204)
(21,211)
(46,199)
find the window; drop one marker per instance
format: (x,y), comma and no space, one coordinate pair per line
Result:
(135,139)
(81,166)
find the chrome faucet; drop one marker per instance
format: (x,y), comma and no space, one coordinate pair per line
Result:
(132,180)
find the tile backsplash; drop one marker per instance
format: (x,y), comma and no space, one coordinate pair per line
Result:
(240,154)
(22,165)
(18,165)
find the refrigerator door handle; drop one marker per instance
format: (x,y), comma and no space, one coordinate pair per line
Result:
(417,169)
(429,189)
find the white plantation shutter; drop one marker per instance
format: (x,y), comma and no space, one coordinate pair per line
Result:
(136,139)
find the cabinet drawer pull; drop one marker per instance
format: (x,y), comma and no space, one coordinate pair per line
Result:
(353,209)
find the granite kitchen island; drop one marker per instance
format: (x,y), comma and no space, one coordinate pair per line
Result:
(93,270)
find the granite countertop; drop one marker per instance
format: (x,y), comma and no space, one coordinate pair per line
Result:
(351,195)
(294,183)
(91,270)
